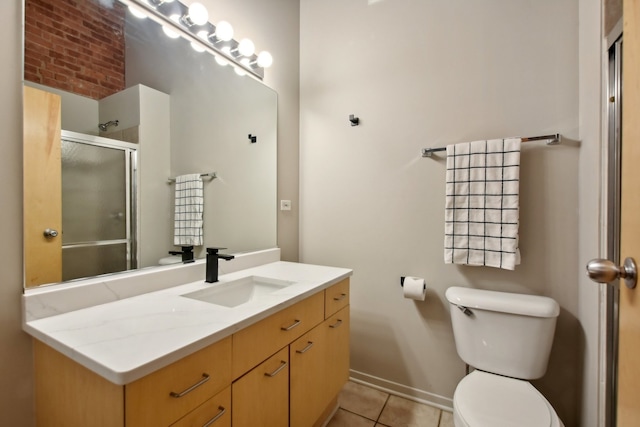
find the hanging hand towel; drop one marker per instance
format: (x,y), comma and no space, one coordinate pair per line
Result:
(189,205)
(482,212)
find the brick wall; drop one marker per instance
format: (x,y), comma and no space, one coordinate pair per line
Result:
(75,45)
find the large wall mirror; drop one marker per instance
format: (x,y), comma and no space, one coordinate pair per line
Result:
(160,110)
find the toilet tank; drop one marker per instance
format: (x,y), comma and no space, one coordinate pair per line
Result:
(503,333)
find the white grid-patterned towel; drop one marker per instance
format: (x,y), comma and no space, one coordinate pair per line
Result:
(482,212)
(189,205)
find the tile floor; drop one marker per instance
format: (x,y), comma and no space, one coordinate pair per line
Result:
(362,406)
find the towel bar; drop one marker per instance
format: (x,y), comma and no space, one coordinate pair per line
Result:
(202,175)
(554,139)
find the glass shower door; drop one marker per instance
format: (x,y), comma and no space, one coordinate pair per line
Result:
(97,207)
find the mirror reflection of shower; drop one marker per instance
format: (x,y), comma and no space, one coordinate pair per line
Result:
(104,126)
(98,205)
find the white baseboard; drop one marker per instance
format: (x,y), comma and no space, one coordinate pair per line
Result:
(401,390)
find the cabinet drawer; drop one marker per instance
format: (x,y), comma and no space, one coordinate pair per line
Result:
(336,298)
(261,397)
(164,396)
(215,412)
(255,343)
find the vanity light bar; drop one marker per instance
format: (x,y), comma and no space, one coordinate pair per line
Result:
(228,50)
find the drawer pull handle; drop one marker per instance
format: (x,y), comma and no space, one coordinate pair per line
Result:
(283,365)
(218,415)
(288,328)
(337,324)
(205,378)
(340,298)
(307,348)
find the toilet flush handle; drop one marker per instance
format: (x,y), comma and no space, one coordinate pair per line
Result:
(465,310)
(605,271)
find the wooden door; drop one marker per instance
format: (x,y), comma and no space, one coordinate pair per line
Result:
(628,411)
(42,187)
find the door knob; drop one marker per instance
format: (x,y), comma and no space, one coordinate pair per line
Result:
(605,271)
(50,233)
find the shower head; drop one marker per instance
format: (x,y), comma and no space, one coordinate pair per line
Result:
(104,126)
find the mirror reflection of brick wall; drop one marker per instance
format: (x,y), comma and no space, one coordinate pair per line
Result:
(87,60)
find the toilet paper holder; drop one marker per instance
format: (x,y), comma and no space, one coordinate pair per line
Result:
(402,282)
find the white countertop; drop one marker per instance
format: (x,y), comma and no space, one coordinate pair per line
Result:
(127,339)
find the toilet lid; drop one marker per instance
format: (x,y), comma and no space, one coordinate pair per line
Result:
(482,399)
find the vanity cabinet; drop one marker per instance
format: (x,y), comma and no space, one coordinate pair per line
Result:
(284,370)
(313,338)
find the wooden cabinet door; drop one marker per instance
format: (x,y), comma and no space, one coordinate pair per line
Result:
(319,369)
(42,187)
(261,397)
(308,394)
(337,355)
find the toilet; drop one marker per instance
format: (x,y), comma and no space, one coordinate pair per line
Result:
(507,338)
(169,260)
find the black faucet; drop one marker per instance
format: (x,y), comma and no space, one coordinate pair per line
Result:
(186,252)
(212,263)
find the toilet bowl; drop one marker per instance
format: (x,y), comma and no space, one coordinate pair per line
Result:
(168,260)
(507,338)
(488,400)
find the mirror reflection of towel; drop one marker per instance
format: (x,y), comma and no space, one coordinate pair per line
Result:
(189,206)
(482,203)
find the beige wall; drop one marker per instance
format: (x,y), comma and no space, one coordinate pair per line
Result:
(423,74)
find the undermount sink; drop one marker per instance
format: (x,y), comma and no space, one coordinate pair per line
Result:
(240,291)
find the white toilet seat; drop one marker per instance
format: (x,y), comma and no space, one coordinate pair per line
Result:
(482,399)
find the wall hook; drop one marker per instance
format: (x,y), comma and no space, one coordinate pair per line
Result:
(253,138)
(355,121)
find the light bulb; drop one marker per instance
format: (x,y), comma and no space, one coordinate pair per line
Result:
(265,59)
(169,32)
(198,14)
(137,12)
(197,47)
(239,71)
(246,47)
(221,60)
(203,35)
(224,31)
